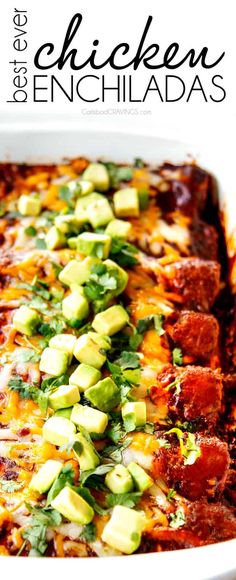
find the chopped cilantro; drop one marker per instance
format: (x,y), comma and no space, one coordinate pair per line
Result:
(28,391)
(36,533)
(114,452)
(118,174)
(171,494)
(177,356)
(163,443)
(139,163)
(89,533)
(143,198)
(40,243)
(66,477)
(90,478)
(153,321)
(69,193)
(127,499)
(30,231)
(178,519)
(128,360)
(123,253)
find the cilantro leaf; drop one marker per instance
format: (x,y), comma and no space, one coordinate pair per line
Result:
(178,519)
(123,253)
(153,321)
(188,446)
(118,174)
(85,477)
(40,243)
(36,533)
(66,477)
(177,356)
(114,452)
(126,499)
(171,494)
(128,360)
(30,231)
(89,533)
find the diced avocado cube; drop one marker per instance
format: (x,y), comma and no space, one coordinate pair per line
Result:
(135,411)
(44,478)
(86,187)
(84,377)
(100,213)
(87,351)
(141,479)
(75,307)
(126,202)
(92,244)
(124,529)
(55,239)
(29,205)
(64,342)
(92,420)
(67,223)
(76,272)
(73,507)
(111,320)
(119,480)
(72,243)
(103,342)
(63,397)
(85,452)
(121,274)
(77,288)
(58,430)
(118,229)
(83,204)
(98,174)
(26,320)
(105,395)
(54,362)
(64,413)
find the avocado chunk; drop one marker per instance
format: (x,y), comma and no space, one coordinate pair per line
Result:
(75,307)
(64,413)
(29,205)
(63,397)
(64,342)
(44,478)
(141,479)
(72,242)
(76,272)
(124,529)
(92,420)
(135,411)
(100,213)
(98,174)
(85,452)
(26,320)
(72,506)
(54,362)
(83,205)
(55,239)
(119,480)
(118,229)
(86,187)
(87,351)
(85,376)
(67,223)
(121,274)
(92,244)
(111,320)
(103,342)
(126,202)
(105,395)
(58,430)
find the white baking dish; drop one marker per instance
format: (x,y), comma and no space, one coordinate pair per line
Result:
(52,143)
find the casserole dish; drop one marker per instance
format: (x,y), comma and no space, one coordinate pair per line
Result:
(90,144)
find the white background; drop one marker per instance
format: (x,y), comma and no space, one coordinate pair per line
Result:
(208,23)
